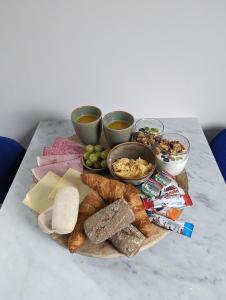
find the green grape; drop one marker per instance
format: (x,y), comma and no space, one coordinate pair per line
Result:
(104,164)
(104,154)
(97,165)
(89,163)
(98,154)
(86,155)
(98,148)
(89,148)
(93,157)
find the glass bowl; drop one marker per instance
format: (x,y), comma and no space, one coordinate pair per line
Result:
(155,126)
(146,130)
(171,152)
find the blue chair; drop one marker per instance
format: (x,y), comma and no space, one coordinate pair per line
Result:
(11,155)
(218,147)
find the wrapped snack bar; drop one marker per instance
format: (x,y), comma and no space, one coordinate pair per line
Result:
(165,179)
(168,212)
(177,201)
(180,227)
(172,190)
(151,188)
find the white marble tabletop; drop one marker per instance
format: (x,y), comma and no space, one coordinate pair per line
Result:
(32,266)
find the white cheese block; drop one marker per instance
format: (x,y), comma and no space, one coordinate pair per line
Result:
(37,198)
(65,210)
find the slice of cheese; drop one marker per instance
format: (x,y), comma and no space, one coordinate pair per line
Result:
(37,198)
(71,178)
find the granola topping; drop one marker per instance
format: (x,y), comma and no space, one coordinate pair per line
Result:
(170,148)
(146,136)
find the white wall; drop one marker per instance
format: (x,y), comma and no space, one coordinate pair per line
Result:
(152,58)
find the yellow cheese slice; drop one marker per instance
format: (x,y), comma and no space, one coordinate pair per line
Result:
(71,178)
(37,198)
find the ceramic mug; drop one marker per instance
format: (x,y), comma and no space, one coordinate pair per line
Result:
(118,136)
(89,133)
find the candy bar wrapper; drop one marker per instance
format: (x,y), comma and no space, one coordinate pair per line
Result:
(151,188)
(172,190)
(171,213)
(176,201)
(180,227)
(165,179)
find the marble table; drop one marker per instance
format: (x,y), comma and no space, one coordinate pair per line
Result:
(32,266)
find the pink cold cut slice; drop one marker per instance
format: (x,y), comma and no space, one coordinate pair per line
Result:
(65,142)
(63,146)
(50,150)
(52,159)
(58,168)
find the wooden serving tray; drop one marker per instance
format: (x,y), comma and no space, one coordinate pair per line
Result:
(106,250)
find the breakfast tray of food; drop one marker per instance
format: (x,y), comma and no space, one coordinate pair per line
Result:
(118,197)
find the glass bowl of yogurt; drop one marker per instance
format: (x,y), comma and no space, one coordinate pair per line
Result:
(146,130)
(171,152)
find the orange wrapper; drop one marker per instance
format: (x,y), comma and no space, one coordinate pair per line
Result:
(171,213)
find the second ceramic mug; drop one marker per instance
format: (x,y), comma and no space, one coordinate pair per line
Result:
(118,136)
(90,132)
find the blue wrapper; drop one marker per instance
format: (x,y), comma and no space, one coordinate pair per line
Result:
(188,229)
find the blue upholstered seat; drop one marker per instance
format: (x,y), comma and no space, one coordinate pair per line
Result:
(218,146)
(11,155)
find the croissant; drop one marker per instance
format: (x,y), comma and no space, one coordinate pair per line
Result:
(111,190)
(89,206)
(108,189)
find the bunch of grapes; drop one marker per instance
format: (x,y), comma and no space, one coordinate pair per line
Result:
(95,156)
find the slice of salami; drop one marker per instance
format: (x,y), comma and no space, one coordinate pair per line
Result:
(66,143)
(63,146)
(49,150)
(58,168)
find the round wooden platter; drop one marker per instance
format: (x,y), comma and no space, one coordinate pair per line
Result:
(106,250)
